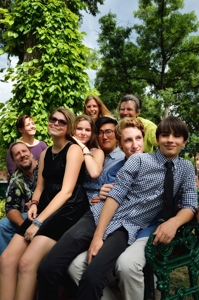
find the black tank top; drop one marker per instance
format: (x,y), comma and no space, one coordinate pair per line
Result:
(54,167)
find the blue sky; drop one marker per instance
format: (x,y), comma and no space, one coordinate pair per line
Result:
(124,11)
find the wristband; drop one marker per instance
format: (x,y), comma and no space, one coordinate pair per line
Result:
(37,223)
(88,154)
(84,147)
(34,202)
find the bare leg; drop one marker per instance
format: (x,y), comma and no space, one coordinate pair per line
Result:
(9,266)
(28,266)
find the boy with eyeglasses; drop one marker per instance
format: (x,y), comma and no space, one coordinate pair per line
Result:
(105,128)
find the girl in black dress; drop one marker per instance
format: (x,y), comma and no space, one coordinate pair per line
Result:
(57,204)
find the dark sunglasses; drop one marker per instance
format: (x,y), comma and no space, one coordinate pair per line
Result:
(61,122)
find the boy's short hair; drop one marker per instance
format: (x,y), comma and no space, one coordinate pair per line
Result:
(172,125)
(104,120)
(128,122)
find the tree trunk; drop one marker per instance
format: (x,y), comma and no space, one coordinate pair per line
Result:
(30,42)
(166,112)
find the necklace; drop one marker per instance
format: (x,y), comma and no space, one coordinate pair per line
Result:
(54,155)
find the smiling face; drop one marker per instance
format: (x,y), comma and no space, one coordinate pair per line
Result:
(131,141)
(29,127)
(107,142)
(83,131)
(54,128)
(128,109)
(170,144)
(92,109)
(22,156)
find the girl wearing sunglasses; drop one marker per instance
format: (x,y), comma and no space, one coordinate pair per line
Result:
(58,202)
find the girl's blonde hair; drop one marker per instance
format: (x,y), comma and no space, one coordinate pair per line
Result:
(103,110)
(92,143)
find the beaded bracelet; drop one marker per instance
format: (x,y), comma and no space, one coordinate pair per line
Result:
(37,223)
(88,154)
(34,202)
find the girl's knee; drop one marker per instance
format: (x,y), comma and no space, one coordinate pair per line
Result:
(25,265)
(7,260)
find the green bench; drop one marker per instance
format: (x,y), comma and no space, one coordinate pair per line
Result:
(183,250)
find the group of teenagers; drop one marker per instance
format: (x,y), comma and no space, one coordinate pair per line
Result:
(98,196)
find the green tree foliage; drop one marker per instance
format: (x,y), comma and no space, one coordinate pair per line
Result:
(192,148)
(52,62)
(94,59)
(164,57)
(186,107)
(2,208)
(4,4)
(90,5)
(151,109)
(168,48)
(116,74)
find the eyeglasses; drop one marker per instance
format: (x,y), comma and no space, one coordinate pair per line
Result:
(61,122)
(107,132)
